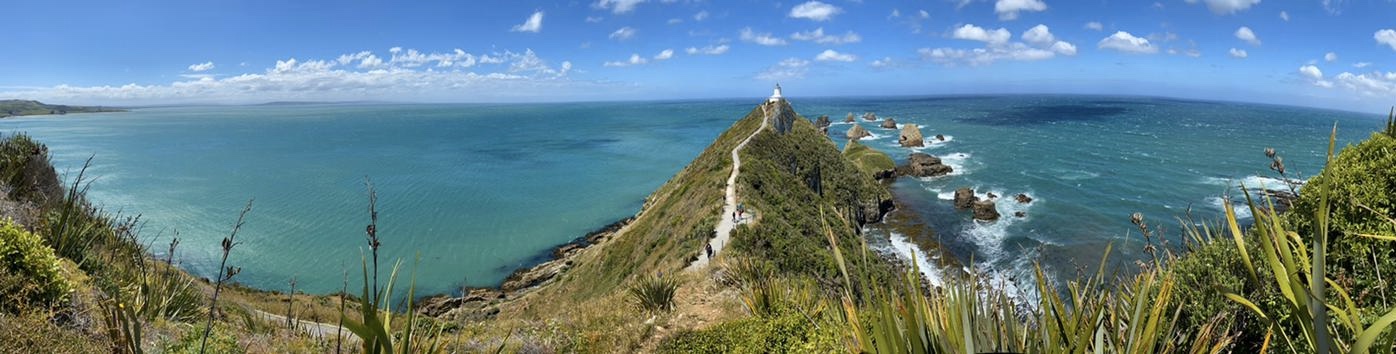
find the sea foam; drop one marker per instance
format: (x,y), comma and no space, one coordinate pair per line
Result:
(907,250)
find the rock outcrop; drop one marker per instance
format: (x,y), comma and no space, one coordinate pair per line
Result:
(849,118)
(985,210)
(872,211)
(940,137)
(964,198)
(870,117)
(822,122)
(1020,214)
(1023,198)
(924,165)
(857,132)
(911,136)
(889,124)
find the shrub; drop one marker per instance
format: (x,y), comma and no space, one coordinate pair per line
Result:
(1362,183)
(654,293)
(35,271)
(788,332)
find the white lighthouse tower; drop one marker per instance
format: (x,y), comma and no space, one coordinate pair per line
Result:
(775,96)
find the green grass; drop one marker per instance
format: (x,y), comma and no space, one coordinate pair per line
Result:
(869,160)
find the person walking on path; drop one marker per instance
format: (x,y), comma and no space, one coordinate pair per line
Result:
(710,251)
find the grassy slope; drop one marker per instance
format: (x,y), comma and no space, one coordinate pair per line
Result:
(587,303)
(869,160)
(796,184)
(30,108)
(792,179)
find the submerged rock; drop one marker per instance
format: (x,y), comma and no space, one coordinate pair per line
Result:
(911,136)
(991,195)
(924,165)
(985,210)
(964,198)
(857,132)
(1020,214)
(889,124)
(940,137)
(1023,198)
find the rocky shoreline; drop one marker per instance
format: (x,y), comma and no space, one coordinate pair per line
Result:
(482,303)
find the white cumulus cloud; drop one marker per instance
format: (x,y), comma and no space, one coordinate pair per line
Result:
(450,76)
(664,55)
(815,11)
(788,69)
(534,23)
(818,36)
(1311,72)
(831,55)
(1040,35)
(1038,44)
(708,50)
(1238,53)
(204,66)
(1125,42)
(618,6)
(1387,37)
(748,35)
(1009,9)
(1094,26)
(1330,57)
(624,33)
(1244,33)
(1226,7)
(976,33)
(635,59)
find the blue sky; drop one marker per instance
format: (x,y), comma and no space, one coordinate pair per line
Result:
(1324,53)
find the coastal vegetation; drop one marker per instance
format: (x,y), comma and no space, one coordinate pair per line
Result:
(800,277)
(12,108)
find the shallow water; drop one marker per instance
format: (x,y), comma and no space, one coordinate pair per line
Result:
(481,190)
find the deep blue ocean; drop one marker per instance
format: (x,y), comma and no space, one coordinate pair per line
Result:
(479,190)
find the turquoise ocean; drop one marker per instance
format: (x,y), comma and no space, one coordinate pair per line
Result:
(470,192)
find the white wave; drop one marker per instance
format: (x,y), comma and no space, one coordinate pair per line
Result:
(1242,210)
(956,161)
(908,251)
(1252,182)
(1073,175)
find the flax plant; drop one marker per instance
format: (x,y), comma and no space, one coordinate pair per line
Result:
(1325,324)
(225,273)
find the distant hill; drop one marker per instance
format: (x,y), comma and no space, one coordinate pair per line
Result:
(10,108)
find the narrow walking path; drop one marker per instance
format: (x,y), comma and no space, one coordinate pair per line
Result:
(315,329)
(729,207)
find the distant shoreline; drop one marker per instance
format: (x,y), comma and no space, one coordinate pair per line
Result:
(30,108)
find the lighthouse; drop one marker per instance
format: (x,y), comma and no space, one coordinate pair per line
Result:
(775,96)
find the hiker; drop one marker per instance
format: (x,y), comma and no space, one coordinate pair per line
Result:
(710,251)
